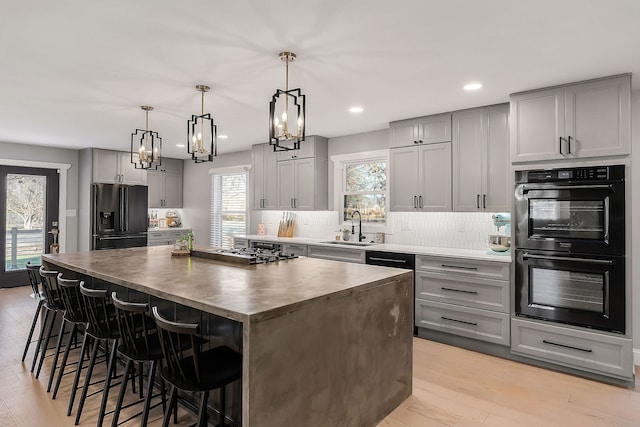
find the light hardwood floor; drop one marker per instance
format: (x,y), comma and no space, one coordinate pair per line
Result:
(451,387)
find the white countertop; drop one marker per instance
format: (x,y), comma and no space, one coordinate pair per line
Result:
(484,255)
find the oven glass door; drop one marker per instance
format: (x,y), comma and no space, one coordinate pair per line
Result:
(580,218)
(584,291)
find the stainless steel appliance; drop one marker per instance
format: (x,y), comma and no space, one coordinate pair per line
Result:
(119,216)
(247,256)
(570,246)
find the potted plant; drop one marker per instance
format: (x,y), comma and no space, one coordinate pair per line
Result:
(346,234)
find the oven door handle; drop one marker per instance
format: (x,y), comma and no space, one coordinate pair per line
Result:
(606,219)
(527,188)
(563,258)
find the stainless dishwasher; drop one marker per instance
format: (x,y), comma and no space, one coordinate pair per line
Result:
(394,259)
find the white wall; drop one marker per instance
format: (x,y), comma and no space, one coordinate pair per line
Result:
(196,192)
(52,155)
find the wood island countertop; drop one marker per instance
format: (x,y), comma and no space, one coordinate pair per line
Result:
(234,291)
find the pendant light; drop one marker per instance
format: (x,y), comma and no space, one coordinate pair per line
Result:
(202,138)
(146,146)
(287,113)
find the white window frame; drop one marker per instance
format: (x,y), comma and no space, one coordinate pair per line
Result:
(228,171)
(340,163)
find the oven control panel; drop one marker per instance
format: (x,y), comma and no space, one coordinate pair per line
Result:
(594,173)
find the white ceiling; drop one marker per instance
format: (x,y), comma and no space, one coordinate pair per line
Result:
(74,73)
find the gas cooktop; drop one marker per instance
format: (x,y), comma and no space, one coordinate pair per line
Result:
(244,256)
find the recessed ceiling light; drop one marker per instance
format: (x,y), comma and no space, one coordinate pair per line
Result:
(180,145)
(356,110)
(473,86)
(223,136)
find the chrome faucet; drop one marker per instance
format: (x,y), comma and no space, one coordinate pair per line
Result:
(361,236)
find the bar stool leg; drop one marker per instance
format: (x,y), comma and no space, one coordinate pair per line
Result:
(147,398)
(76,378)
(65,357)
(43,327)
(223,405)
(33,327)
(87,379)
(202,413)
(43,351)
(63,326)
(111,369)
(123,390)
(173,397)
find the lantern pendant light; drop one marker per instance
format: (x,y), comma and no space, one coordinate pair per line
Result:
(146,145)
(202,137)
(287,113)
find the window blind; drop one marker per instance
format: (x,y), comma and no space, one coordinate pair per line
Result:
(228,208)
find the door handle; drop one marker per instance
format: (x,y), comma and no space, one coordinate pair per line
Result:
(459,290)
(560,144)
(291,203)
(526,189)
(459,321)
(461,267)
(415,202)
(477,201)
(569,144)
(563,258)
(420,202)
(586,350)
(484,201)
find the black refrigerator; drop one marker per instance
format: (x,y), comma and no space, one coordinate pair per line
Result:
(119,216)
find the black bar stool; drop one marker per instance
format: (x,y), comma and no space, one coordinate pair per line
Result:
(139,344)
(189,368)
(103,329)
(75,316)
(53,306)
(33,271)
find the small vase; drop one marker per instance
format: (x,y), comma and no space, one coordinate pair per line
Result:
(346,236)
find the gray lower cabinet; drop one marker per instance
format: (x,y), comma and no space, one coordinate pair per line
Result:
(337,253)
(594,352)
(463,297)
(294,248)
(165,237)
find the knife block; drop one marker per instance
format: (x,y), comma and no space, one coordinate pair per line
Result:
(286,228)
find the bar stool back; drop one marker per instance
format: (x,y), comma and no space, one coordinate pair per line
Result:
(74,315)
(190,369)
(53,306)
(139,343)
(33,271)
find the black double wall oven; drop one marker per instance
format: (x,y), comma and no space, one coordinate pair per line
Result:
(570,246)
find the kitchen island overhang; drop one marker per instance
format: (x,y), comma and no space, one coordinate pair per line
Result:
(323,342)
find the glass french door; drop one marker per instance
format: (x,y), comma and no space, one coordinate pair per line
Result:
(28,213)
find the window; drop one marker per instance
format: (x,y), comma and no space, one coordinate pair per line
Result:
(364,188)
(229,208)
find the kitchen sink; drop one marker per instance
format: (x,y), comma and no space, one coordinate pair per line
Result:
(340,242)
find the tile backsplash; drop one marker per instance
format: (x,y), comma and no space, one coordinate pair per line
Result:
(464,230)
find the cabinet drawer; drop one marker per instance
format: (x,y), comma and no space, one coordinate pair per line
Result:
(239,243)
(482,293)
(594,352)
(337,254)
(290,248)
(157,238)
(482,325)
(463,267)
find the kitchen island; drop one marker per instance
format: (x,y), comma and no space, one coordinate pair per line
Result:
(323,342)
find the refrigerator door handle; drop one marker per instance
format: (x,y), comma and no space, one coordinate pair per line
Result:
(126,209)
(120,209)
(94,204)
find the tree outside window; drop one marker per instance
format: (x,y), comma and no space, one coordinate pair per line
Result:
(365,189)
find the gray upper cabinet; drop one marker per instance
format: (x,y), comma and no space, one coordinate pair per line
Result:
(422,130)
(312,146)
(420,178)
(303,181)
(165,184)
(481,179)
(115,167)
(264,177)
(590,119)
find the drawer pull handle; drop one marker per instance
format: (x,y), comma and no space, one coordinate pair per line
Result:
(401,261)
(458,266)
(459,321)
(586,350)
(459,290)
